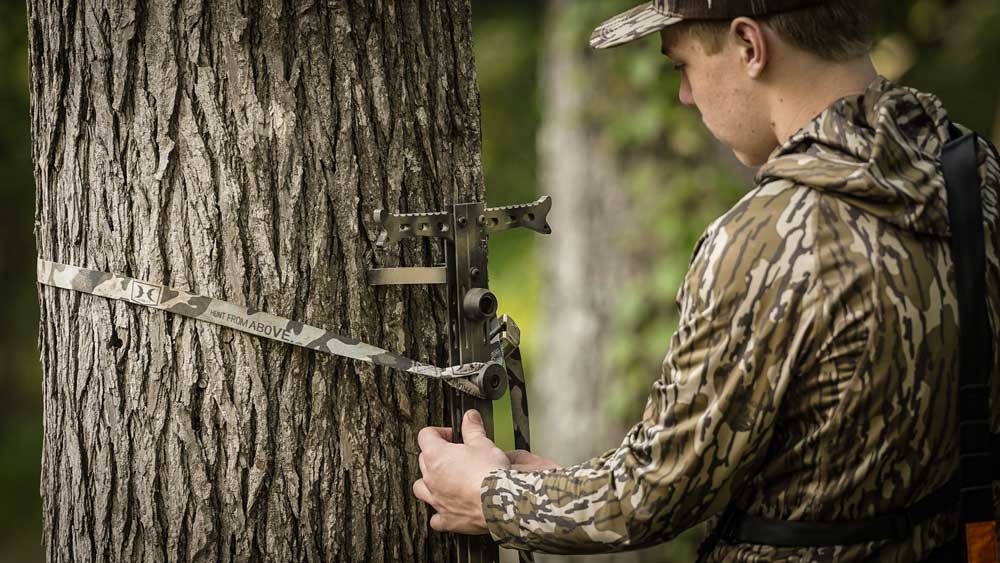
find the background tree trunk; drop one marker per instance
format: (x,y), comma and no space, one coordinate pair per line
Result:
(586,266)
(238,150)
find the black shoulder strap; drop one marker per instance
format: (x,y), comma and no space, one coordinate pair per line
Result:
(968,246)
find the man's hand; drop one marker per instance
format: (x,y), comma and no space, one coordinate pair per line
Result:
(453,473)
(522,460)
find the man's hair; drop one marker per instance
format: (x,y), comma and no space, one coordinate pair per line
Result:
(836,31)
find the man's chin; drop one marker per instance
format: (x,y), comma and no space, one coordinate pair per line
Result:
(748,160)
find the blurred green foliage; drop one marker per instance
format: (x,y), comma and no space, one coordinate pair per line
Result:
(20,383)
(507,38)
(947,47)
(952,48)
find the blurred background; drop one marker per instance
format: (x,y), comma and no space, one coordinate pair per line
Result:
(634,177)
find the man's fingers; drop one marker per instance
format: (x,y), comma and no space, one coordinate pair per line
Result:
(421,491)
(472,427)
(438,523)
(433,436)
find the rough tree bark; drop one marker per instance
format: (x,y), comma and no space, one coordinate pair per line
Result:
(238,149)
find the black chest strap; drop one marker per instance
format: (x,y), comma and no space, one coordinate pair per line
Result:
(737,526)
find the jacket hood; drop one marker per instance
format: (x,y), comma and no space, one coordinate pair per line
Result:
(879,151)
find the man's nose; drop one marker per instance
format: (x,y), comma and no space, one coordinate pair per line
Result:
(685,94)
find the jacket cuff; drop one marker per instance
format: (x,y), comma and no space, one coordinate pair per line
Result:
(499,494)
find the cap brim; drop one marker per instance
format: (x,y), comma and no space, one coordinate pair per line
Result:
(631,25)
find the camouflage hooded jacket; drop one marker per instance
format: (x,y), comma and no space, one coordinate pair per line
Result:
(814,371)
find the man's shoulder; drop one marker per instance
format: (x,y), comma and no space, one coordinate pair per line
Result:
(767,214)
(769,233)
(758,257)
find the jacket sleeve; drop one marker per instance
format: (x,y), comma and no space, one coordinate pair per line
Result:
(746,311)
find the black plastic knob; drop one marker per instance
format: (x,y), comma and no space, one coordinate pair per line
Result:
(479,304)
(492,380)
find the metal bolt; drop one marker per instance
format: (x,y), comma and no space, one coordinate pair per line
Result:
(474,273)
(462,221)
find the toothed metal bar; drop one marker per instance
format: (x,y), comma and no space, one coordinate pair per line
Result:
(532,216)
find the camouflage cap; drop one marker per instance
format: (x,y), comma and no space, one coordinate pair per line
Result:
(653,16)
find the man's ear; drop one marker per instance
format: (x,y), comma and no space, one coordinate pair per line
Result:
(752,45)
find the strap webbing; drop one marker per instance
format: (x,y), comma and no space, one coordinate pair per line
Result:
(238,317)
(968,244)
(739,527)
(968,247)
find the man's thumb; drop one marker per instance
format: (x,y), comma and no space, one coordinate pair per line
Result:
(472,427)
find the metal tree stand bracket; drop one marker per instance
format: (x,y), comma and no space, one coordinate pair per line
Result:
(475,333)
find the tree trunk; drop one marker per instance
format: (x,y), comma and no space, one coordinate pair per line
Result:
(238,150)
(584,268)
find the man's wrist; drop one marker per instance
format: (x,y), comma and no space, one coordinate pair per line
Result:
(487,490)
(496,516)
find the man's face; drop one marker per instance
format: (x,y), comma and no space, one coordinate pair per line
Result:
(730,101)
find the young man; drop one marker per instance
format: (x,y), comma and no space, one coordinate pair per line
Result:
(813,376)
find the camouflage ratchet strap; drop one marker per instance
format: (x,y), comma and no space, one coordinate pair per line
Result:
(476,334)
(479,379)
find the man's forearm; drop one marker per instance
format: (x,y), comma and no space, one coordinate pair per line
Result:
(572,510)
